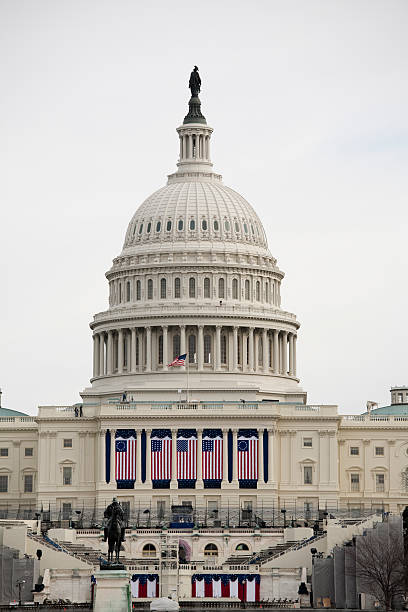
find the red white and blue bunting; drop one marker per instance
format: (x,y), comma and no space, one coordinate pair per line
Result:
(144,585)
(244,586)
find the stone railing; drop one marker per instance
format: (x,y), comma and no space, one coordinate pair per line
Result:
(355,420)
(17,422)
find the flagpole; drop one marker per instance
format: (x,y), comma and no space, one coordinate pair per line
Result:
(188,376)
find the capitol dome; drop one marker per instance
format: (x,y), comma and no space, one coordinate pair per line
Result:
(195,278)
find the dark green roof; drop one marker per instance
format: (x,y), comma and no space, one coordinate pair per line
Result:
(5,412)
(393,410)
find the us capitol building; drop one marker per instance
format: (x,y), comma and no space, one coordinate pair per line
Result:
(227,434)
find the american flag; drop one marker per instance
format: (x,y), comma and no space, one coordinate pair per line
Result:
(247,455)
(212,456)
(125,458)
(161,454)
(186,456)
(179,361)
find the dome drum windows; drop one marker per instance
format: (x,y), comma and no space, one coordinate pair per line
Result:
(140,228)
(149,227)
(216,225)
(207,349)
(168,226)
(234,288)
(207,288)
(192,287)
(192,225)
(221,288)
(204,225)
(258,291)
(128,291)
(177,288)
(138,290)
(180,225)
(247,290)
(158,226)
(150,289)
(163,289)
(227,225)
(192,349)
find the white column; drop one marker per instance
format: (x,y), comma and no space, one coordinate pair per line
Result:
(109,367)
(148,349)
(138,457)
(235,457)
(133,350)
(165,347)
(294,354)
(276,351)
(285,353)
(200,349)
(265,347)
(173,482)
(235,349)
(225,456)
(200,484)
(101,355)
(120,351)
(95,355)
(251,349)
(218,347)
(291,354)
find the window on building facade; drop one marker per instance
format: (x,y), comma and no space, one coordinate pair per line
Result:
(400,398)
(307,442)
(149,227)
(161,509)
(379,451)
(216,225)
(204,224)
(140,228)
(28,452)
(210,550)
(163,289)
(67,443)
(227,226)
(380,483)
(191,288)
(207,348)
(158,226)
(207,288)
(192,350)
(223,349)
(221,288)
(258,291)
(3,452)
(138,290)
(307,509)
(247,290)
(192,224)
(242,546)
(212,508)
(150,289)
(260,351)
(67,475)
(234,288)
(177,287)
(120,293)
(66,511)
(28,483)
(354,450)
(355,482)
(307,474)
(236,226)
(149,551)
(176,345)
(168,226)
(180,225)
(160,347)
(128,291)
(3,483)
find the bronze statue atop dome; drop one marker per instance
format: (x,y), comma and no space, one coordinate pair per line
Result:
(195,83)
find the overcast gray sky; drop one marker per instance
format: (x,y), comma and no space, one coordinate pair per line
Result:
(309,103)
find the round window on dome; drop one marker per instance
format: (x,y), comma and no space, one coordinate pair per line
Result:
(216,225)
(168,226)
(141,228)
(227,226)
(236,226)
(180,225)
(192,224)
(204,224)
(158,226)
(149,227)
(245,228)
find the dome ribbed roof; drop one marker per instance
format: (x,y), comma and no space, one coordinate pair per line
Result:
(196,210)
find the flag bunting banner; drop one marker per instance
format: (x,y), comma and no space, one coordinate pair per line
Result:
(178,361)
(125,458)
(245,586)
(186,458)
(161,450)
(144,585)
(212,457)
(247,442)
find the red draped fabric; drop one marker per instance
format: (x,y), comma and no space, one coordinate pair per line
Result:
(208,589)
(193,589)
(241,591)
(257,591)
(158,591)
(143,589)
(225,590)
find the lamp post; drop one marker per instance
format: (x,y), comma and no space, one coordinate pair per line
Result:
(19,584)
(283,510)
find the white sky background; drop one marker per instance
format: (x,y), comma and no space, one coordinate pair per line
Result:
(309,103)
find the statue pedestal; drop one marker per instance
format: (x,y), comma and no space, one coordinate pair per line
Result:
(112,591)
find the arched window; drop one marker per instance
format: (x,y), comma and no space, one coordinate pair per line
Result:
(191,288)
(207,288)
(128,291)
(138,290)
(247,291)
(120,292)
(141,228)
(180,225)
(227,226)
(177,286)
(163,289)
(149,550)
(210,550)
(192,348)
(176,346)
(242,546)
(158,226)
(204,224)
(192,224)
(223,349)
(160,348)
(221,288)
(207,349)
(234,288)
(150,289)
(149,228)
(216,225)
(258,291)
(168,226)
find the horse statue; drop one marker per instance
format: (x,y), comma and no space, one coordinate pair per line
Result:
(114,529)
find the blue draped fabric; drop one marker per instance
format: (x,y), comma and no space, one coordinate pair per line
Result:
(143,453)
(230,460)
(107,455)
(266,455)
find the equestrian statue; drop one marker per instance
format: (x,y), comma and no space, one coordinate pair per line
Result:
(114,530)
